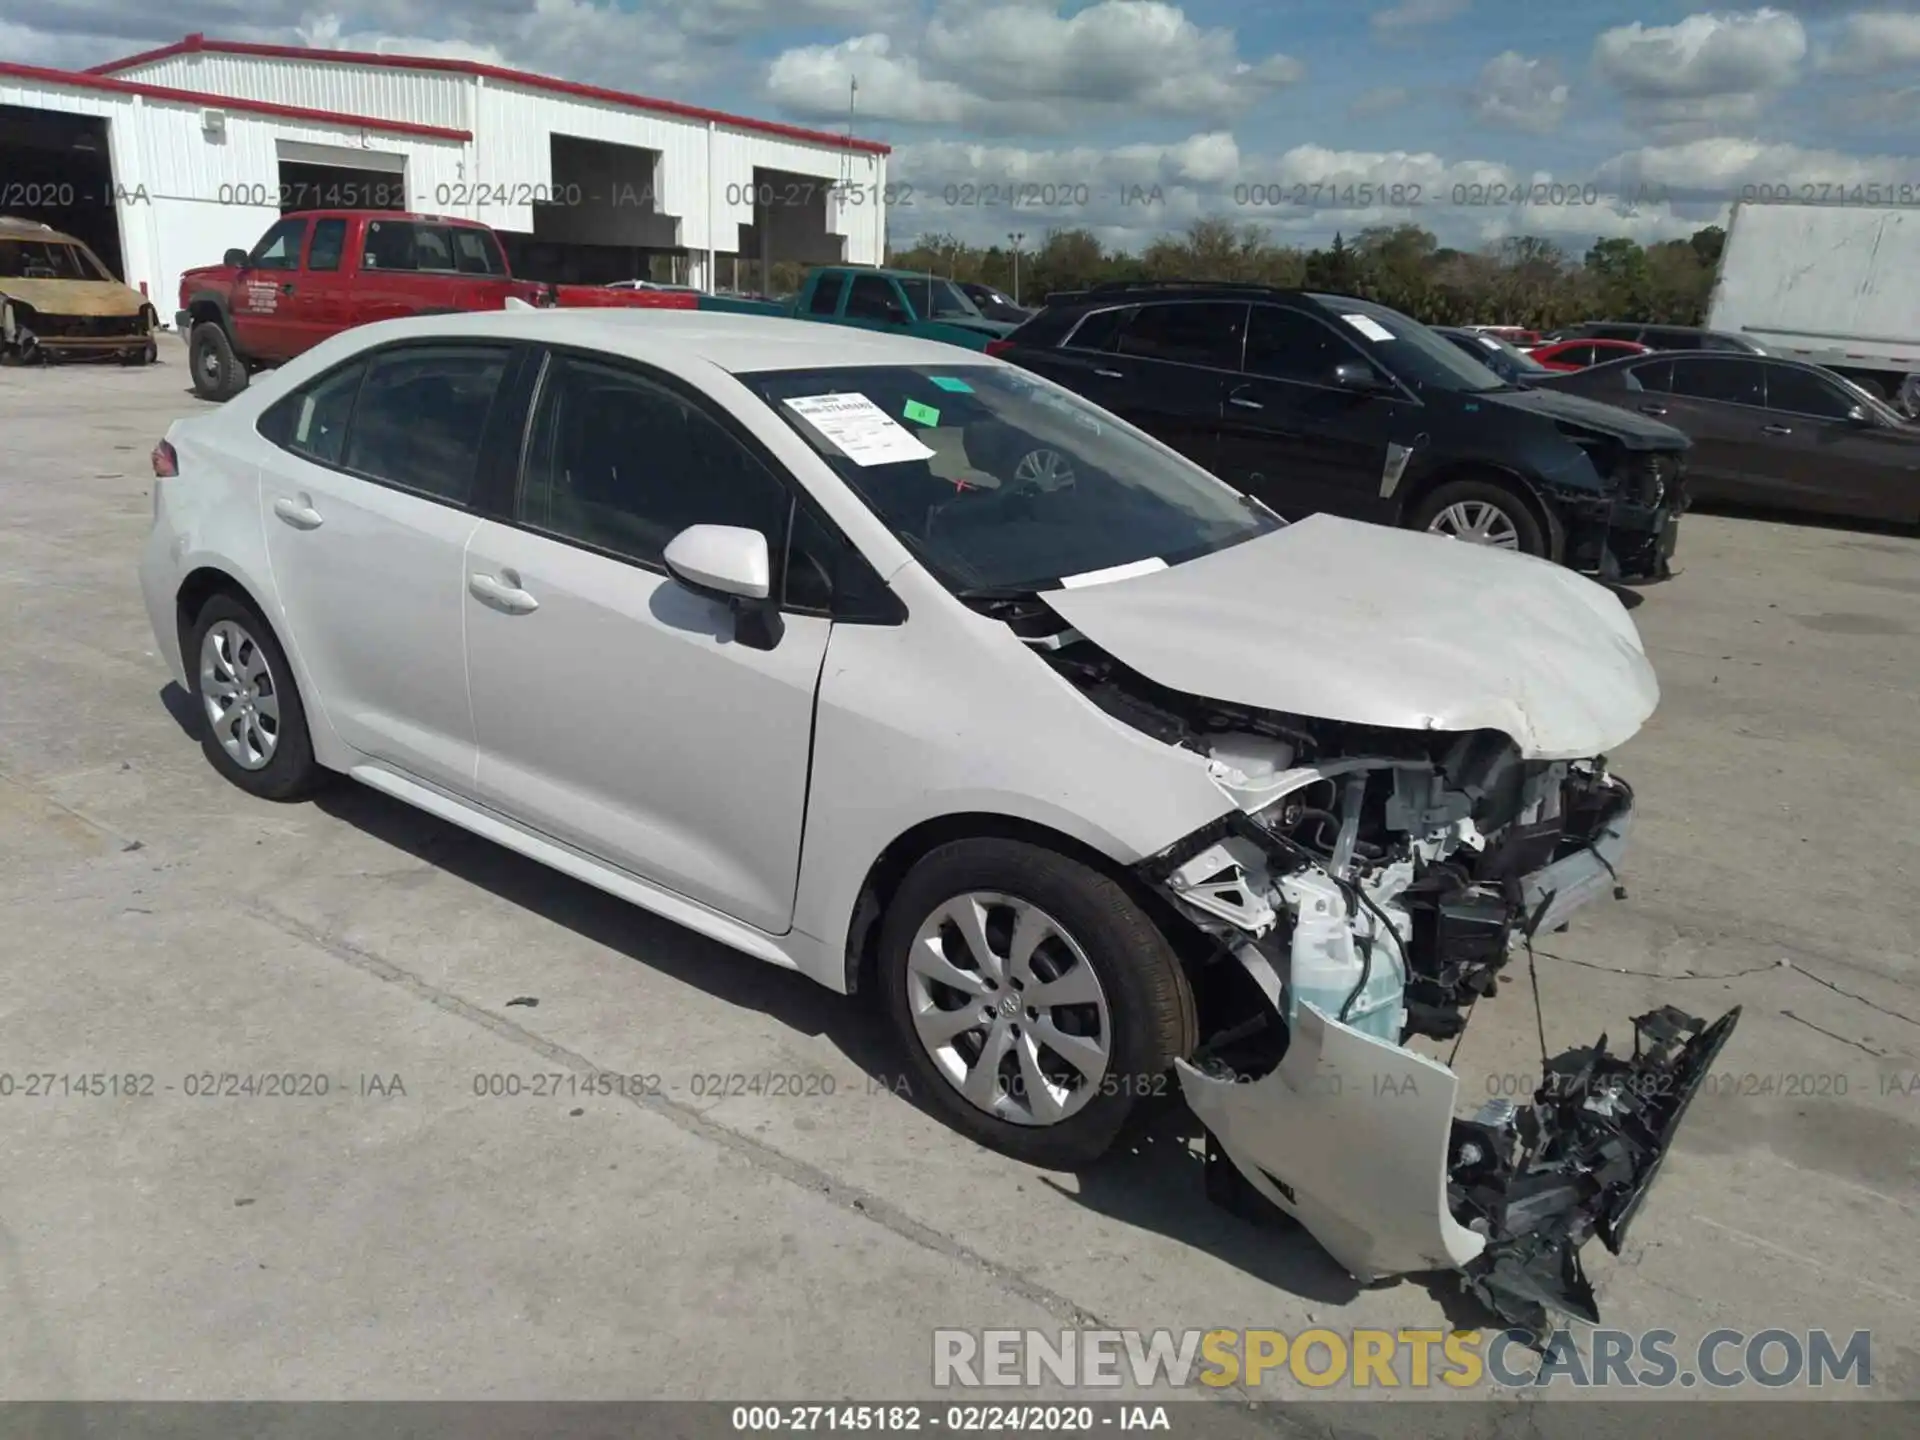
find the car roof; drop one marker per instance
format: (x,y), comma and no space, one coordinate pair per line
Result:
(670,339)
(12,227)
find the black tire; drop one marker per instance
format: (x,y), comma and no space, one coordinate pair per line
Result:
(290,771)
(1149,1003)
(218,373)
(1506,498)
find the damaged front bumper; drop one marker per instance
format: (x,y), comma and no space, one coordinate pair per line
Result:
(1357,1139)
(1318,1107)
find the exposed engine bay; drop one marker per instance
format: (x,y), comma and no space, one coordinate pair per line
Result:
(1370,887)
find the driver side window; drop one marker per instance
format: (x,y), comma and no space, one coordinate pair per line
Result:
(279,248)
(1284,344)
(874,298)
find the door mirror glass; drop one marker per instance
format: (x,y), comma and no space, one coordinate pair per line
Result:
(721,562)
(1351,375)
(1858,415)
(236,258)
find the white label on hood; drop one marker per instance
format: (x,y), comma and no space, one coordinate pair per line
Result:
(862,431)
(1369,327)
(1113,572)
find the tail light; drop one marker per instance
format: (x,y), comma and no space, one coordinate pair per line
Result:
(166,464)
(999,347)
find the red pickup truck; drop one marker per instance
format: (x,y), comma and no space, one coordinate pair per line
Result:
(318,272)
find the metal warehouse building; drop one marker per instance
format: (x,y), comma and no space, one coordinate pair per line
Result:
(167,159)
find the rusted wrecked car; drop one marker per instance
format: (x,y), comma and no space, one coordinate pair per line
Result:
(58,300)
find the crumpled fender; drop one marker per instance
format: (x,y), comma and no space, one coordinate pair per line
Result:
(1349,1135)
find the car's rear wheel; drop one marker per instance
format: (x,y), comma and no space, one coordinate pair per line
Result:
(254,726)
(1035,1001)
(1482,512)
(218,373)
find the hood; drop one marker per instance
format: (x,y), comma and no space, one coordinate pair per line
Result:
(1635,432)
(74,297)
(1347,621)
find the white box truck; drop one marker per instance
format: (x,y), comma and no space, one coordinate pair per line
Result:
(1837,285)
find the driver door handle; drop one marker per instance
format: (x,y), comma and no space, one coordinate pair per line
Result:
(503,592)
(1111,374)
(1776,429)
(287,288)
(1653,409)
(298,513)
(1238,397)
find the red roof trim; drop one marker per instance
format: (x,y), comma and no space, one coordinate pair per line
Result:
(88,80)
(197,44)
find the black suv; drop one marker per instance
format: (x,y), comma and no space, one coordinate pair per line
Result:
(1658,337)
(1313,402)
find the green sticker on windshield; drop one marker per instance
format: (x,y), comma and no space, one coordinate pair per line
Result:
(925,414)
(948,382)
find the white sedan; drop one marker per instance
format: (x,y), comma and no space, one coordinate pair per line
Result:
(895,665)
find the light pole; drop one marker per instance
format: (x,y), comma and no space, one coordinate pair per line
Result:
(1016,237)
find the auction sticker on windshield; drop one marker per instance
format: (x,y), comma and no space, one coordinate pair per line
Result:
(861,430)
(1368,326)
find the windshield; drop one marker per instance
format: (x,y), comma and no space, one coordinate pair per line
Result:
(937,299)
(1001,481)
(1515,356)
(46,260)
(1405,348)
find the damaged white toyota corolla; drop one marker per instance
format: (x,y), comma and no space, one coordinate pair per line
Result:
(904,668)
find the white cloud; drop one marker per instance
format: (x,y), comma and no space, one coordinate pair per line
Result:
(1520,93)
(1875,41)
(1722,169)
(1412,14)
(1703,56)
(1024,67)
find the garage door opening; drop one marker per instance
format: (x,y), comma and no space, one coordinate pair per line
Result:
(600,221)
(57,170)
(326,177)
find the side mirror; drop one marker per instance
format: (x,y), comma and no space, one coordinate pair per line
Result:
(1351,375)
(236,258)
(730,564)
(1858,416)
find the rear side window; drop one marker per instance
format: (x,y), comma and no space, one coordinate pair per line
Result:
(312,422)
(420,416)
(1655,377)
(826,294)
(1805,393)
(329,240)
(1188,333)
(1100,330)
(1734,382)
(390,246)
(1286,344)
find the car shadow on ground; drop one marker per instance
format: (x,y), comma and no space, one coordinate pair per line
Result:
(1153,1180)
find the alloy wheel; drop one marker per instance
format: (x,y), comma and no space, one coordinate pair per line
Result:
(1479,523)
(1044,469)
(241,695)
(1009,1008)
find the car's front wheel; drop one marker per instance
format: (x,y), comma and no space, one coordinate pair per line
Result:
(1035,1000)
(254,725)
(218,373)
(1481,512)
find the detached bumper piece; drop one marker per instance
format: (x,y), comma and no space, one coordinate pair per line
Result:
(1578,1163)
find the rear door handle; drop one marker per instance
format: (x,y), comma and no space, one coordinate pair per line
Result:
(298,513)
(1236,398)
(1776,429)
(1653,409)
(1111,374)
(503,592)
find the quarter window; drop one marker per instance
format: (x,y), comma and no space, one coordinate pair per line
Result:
(1099,331)
(624,465)
(420,416)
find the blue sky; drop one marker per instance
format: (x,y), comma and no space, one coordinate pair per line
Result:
(1631,117)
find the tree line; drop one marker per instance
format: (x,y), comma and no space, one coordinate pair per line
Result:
(1524,280)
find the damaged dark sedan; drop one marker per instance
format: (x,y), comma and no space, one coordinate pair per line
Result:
(1326,404)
